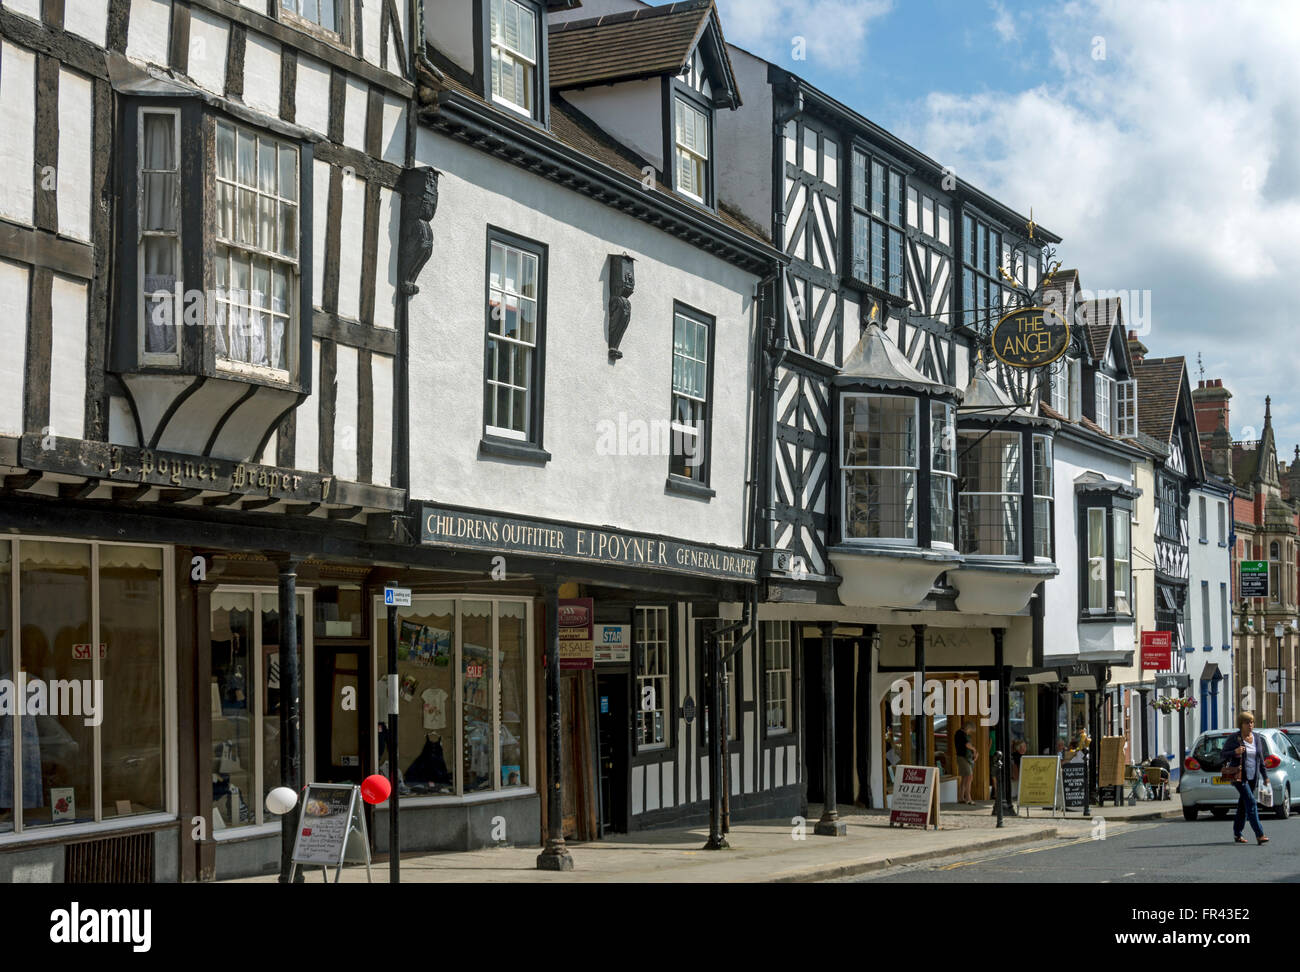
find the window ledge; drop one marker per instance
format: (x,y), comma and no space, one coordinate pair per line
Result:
(505,449)
(58,833)
(688,487)
(1202,540)
(1222,543)
(1107,618)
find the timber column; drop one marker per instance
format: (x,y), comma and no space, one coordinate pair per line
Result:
(830,825)
(555,856)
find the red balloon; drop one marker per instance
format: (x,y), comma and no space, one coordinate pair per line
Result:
(375,789)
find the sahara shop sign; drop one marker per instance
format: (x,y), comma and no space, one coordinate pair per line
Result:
(503,534)
(1030,337)
(1156,649)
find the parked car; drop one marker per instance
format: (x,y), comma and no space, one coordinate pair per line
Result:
(1204,788)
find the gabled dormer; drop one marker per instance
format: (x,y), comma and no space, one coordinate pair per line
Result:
(1108,391)
(654,79)
(497,48)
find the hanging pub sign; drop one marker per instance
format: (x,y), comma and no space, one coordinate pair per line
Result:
(1030,337)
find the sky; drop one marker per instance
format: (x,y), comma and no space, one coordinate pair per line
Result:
(1159,138)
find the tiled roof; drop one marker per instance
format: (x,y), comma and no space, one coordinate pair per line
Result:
(1098,317)
(572,128)
(633,44)
(1158,383)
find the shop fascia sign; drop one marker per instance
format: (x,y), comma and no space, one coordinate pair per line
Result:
(614,548)
(130,465)
(1030,337)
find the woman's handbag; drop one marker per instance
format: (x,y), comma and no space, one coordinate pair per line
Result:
(1231,774)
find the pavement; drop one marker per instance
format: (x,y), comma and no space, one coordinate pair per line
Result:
(761,851)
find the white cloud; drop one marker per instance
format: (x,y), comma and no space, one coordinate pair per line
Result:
(833,31)
(1167,166)
(1003,23)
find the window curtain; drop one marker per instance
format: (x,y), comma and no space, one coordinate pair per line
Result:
(158,200)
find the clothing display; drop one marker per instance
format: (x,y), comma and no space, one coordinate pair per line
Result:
(430,766)
(435,708)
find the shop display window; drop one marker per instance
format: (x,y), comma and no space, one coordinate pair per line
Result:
(245,702)
(463,695)
(91,743)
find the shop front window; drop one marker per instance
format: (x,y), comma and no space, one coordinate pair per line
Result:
(776,676)
(94,747)
(245,702)
(463,695)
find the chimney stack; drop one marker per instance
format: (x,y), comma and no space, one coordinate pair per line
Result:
(1136,349)
(1210,402)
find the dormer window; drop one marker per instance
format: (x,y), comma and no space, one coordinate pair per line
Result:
(515,59)
(691,142)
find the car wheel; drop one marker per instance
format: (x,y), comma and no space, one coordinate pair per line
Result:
(1284,810)
(1220,813)
(1189,813)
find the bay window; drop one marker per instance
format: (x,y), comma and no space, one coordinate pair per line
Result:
(1043,497)
(255,259)
(943,473)
(464,693)
(158,205)
(1105,555)
(221,274)
(992,490)
(879,465)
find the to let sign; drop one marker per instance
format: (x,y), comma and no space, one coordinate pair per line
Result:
(1030,337)
(1156,649)
(915,800)
(1254,578)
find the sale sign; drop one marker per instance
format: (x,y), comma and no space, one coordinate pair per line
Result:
(577,647)
(1157,646)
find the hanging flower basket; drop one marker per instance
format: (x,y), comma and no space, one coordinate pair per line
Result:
(1173,705)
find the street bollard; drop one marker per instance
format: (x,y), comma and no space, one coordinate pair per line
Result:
(997,768)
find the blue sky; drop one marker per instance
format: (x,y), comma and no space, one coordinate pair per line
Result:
(1160,138)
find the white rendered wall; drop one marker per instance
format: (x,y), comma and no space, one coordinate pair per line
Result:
(632,112)
(744,144)
(447,338)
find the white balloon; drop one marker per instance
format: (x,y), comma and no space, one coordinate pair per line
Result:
(281,800)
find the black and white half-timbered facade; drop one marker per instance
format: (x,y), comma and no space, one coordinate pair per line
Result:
(906,529)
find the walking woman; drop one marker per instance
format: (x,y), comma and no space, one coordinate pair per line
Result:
(1245,751)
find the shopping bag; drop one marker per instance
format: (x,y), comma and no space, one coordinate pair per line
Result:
(1265,795)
